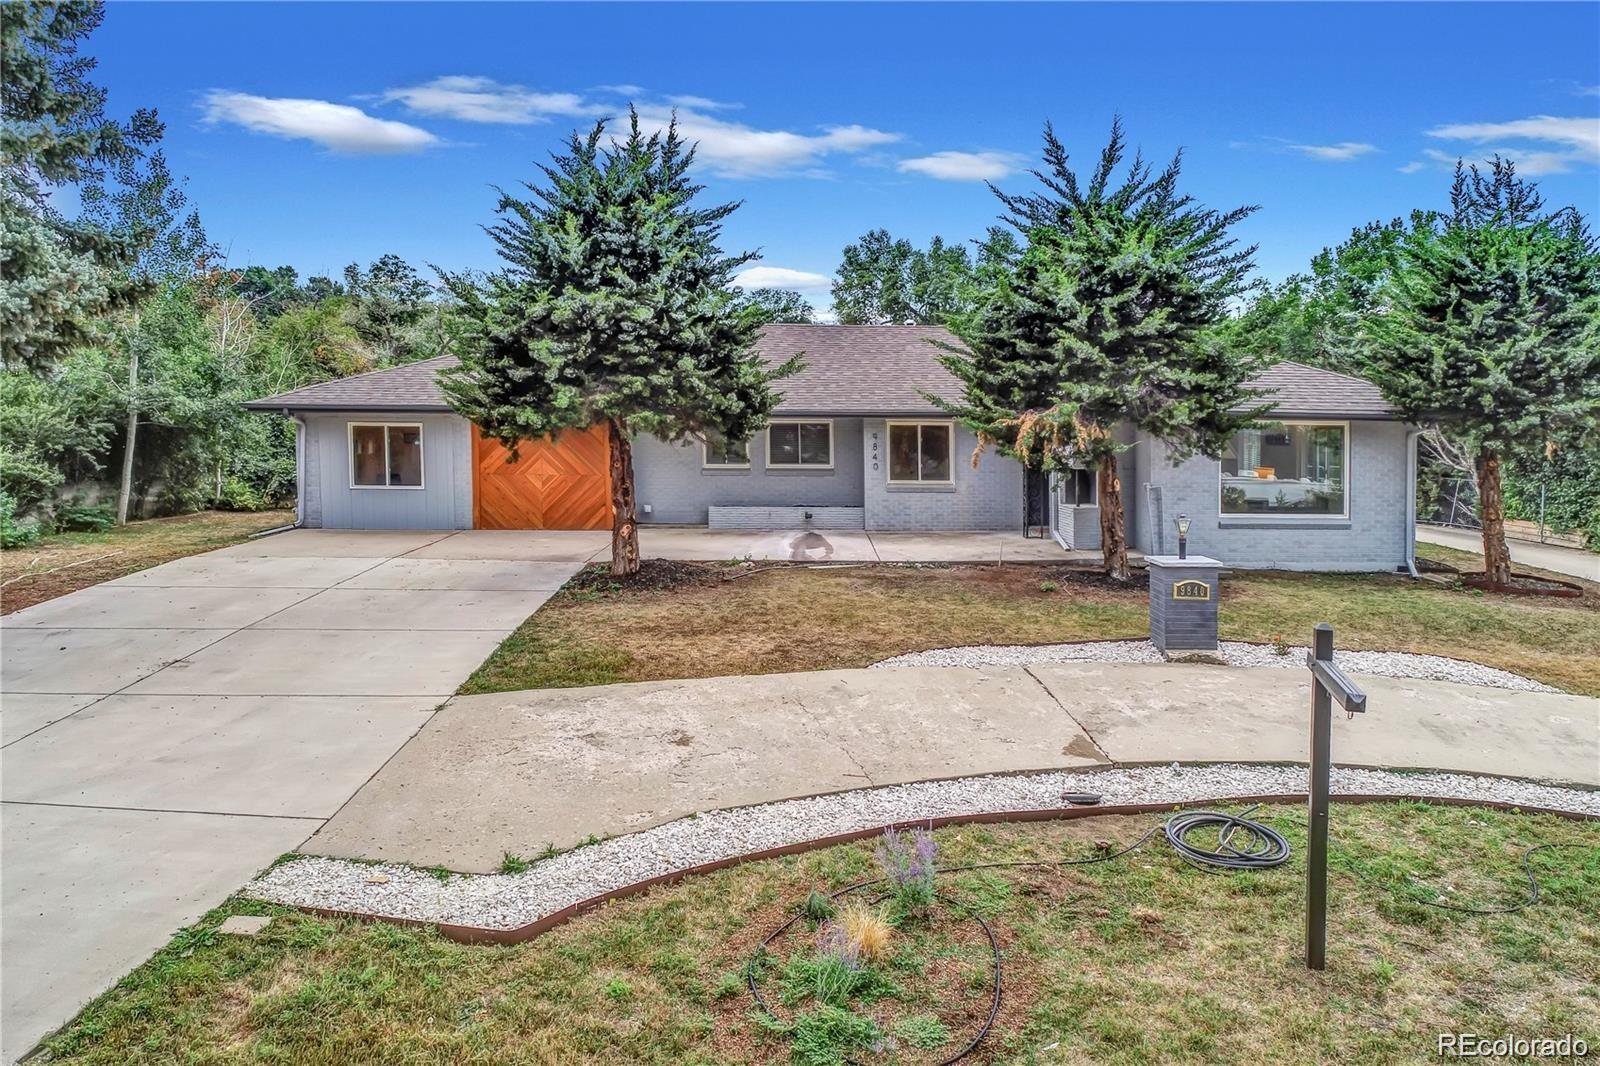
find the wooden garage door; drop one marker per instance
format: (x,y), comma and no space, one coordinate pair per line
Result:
(560,484)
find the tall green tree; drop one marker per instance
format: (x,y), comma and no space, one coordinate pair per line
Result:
(1105,319)
(612,308)
(887,281)
(1307,317)
(1489,330)
(60,275)
(774,305)
(388,302)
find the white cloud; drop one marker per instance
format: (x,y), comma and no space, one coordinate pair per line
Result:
(1587,90)
(965,166)
(473,99)
(1412,167)
(731,149)
(736,150)
(1343,152)
(769,277)
(701,103)
(1556,146)
(338,127)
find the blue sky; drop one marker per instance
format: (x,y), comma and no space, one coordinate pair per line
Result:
(319,134)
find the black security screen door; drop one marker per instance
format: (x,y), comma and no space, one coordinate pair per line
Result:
(1036,486)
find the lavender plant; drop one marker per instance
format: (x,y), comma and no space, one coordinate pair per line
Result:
(909,862)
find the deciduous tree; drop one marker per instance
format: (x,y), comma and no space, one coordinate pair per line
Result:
(775,305)
(612,307)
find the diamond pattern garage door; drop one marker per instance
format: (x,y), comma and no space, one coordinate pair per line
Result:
(559,484)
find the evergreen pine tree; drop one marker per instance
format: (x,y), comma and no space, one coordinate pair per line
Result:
(613,306)
(1488,328)
(1104,319)
(59,274)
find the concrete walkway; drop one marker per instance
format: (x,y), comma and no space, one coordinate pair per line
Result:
(518,771)
(168,734)
(1555,557)
(852,546)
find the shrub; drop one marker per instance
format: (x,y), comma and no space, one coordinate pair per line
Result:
(15,533)
(909,862)
(73,517)
(239,495)
(1048,586)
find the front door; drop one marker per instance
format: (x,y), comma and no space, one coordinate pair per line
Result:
(560,483)
(1037,508)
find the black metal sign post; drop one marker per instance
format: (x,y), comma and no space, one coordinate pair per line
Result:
(1328,684)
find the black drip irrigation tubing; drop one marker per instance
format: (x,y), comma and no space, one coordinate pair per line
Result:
(1263,849)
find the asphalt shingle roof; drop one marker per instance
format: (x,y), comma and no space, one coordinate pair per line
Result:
(849,370)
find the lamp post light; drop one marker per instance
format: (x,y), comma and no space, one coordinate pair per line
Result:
(1183,536)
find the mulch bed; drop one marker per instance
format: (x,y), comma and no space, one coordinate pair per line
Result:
(1524,585)
(655,575)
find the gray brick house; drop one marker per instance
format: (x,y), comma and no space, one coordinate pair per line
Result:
(856,444)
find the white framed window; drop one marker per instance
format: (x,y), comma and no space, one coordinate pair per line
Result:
(1287,470)
(1077,486)
(385,455)
(921,453)
(725,454)
(800,443)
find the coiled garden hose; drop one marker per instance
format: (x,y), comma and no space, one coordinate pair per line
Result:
(1262,847)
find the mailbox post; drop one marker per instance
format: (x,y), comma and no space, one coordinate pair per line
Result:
(1328,685)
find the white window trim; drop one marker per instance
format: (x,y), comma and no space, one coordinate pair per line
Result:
(1094,484)
(1226,517)
(422,464)
(800,422)
(888,436)
(707,464)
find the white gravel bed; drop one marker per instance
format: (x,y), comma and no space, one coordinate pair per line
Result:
(1234,653)
(506,901)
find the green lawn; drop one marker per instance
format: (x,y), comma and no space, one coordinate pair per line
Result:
(1139,960)
(791,618)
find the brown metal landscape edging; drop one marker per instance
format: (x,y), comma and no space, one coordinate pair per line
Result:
(472,934)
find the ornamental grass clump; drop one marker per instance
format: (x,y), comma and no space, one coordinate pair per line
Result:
(909,862)
(866,929)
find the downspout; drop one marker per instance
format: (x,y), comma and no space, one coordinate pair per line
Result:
(1412,437)
(299,468)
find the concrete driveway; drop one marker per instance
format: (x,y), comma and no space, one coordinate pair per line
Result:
(1555,557)
(168,734)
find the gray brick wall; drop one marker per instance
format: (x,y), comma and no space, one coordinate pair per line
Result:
(723,517)
(1182,625)
(1374,537)
(988,497)
(671,479)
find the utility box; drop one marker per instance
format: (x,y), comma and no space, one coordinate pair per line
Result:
(1184,595)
